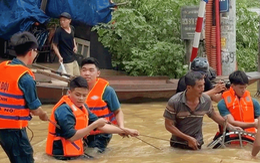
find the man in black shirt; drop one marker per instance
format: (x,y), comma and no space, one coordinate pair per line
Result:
(64,45)
(201,64)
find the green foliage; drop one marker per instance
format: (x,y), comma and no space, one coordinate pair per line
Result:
(247,37)
(144,37)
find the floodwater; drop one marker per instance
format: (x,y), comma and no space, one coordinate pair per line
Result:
(148,119)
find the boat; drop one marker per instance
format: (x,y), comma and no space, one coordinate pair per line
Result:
(127,88)
(52,86)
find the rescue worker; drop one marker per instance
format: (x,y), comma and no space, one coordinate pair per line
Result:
(18,99)
(185,111)
(71,120)
(102,101)
(237,105)
(200,64)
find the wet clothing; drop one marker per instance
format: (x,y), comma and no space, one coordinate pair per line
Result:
(14,114)
(109,98)
(15,141)
(65,43)
(66,120)
(16,145)
(70,149)
(224,111)
(182,85)
(242,109)
(187,121)
(95,103)
(28,86)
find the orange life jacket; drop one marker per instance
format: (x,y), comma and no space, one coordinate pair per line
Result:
(70,149)
(96,104)
(14,113)
(242,109)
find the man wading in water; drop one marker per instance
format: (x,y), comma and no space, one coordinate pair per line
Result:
(184,113)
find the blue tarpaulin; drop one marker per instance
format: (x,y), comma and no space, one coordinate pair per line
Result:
(90,12)
(19,15)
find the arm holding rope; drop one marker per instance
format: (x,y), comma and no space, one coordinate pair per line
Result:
(42,114)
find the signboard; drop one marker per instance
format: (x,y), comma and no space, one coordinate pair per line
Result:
(189,15)
(223,5)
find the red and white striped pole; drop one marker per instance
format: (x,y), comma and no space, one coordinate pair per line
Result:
(196,40)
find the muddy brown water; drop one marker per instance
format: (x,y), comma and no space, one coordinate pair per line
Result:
(148,119)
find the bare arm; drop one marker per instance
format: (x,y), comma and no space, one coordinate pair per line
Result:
(216,97)
(111,129)
(119,117)
(256,145)
(75,49)
(169,125)
(85,131)
(214,93)
(221,121)
(243,125)
(57,52)
(39,112)
(101,124)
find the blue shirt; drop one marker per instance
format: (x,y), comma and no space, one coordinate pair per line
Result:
(111,99)
(28,86)
(66,120)
(223,110)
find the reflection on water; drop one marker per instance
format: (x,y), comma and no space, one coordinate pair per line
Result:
(148,119)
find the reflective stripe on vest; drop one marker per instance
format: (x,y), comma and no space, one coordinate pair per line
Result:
(96,104)
(241,109)
(13,110)
(69,148)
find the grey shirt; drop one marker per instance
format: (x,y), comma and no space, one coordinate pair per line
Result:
(187,121)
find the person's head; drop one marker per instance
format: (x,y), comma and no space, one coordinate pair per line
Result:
(65,20)
(25,45)
(200,64)
(239,82)
(89,69)
(194,83)
(78,90)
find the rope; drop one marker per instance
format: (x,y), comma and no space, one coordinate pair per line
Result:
(135,137)
(31,132)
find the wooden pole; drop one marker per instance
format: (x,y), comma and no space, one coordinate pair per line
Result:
(188,46)
(52,70)
(43,5)
(50,74)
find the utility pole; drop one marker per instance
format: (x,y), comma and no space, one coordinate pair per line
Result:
(228,38)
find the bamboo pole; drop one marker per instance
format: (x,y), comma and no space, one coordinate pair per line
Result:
(52,75)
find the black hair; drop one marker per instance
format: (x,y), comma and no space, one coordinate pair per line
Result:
(23,42)
(193,76)
(78,82)
(238,77)
(89,60)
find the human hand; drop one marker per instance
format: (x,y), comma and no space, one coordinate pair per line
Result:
(60,59)
(219,87)
(75,49)
(44,116)
(233,128)
(131,132)
(193,143)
